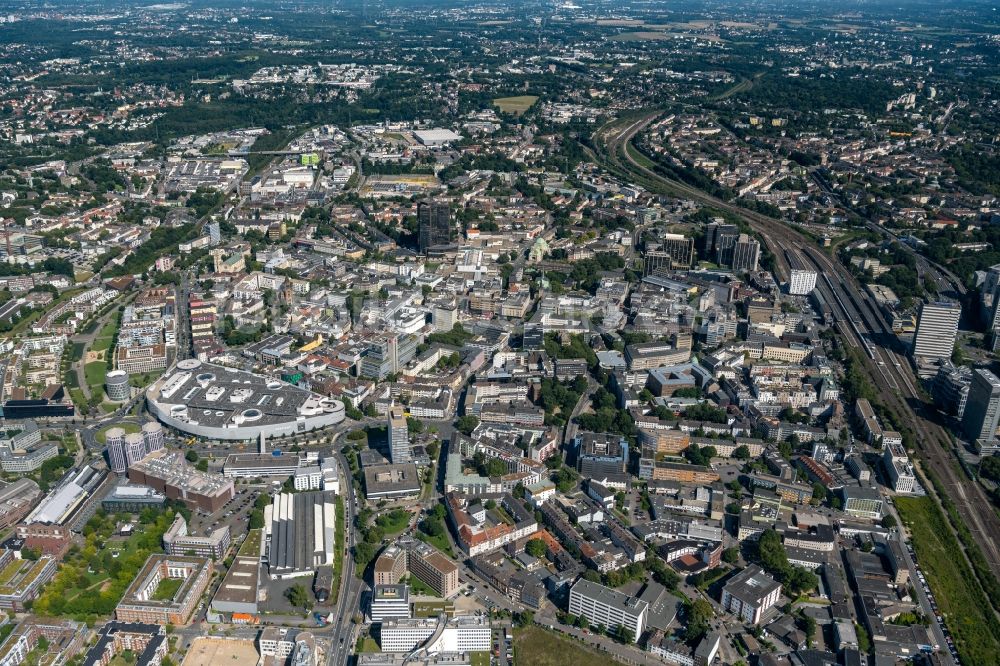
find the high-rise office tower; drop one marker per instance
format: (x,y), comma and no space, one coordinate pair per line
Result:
(671,251)
(937,328)
(135,447)
(990,302)
(982,409)
(152,433)
(434,220)
(117,459)
(746,254)
(399,436)
(711,240)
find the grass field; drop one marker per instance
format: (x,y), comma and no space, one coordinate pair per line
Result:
(367,644)
(640,159)
(479,658)
(962,603)
(419,587)
(95,371)
(105,336)
(166,589)
(102,434)
(145,379)
(394,522)
(642,36)
(77,396)
(534,646)
(440,542)
(515,105)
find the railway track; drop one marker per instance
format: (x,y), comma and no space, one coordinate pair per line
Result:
(887,368)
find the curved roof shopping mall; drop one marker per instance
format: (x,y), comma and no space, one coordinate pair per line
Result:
(216,402)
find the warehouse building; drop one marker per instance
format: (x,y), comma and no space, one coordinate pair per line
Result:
(240,589)
(299,533)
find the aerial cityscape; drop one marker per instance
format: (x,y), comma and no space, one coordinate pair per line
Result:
(533,333)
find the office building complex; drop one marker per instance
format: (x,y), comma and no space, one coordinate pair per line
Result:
(897,465)
(990,304)
(671,251)
(750,593)
(115,440)
(392,481)
(146,601)
(937,328)
(462,633)
(419,559)
(258,465)
(125,497)
(167,472)
(152,434)
(399,436)
(390,601)
(745,254)
(982,409)
(117,460)
(434,220)
(950,388)
(802,278)
(387,355)
(719,240)
(607,607)
(135,448)
(177,541)
(136,360)
(601,456)
(117,387)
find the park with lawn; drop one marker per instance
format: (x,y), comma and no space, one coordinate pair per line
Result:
(95,575)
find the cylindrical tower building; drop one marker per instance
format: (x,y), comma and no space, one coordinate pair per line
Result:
(135,447)
(152,433)
(117,459)
(117,386)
